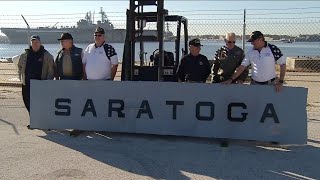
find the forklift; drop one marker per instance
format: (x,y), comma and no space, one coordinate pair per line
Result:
(164,64)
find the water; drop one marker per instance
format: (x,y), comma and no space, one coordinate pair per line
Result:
(209,48)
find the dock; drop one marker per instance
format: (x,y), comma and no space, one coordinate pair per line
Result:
(303,63)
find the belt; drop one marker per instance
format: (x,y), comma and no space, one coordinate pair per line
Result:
(265,82)
(70,78)
(194,81)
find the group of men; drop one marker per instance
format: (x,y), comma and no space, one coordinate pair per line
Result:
(99,61)
(230,63)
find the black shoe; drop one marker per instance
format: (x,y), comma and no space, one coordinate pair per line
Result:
(75,133)
(224,143)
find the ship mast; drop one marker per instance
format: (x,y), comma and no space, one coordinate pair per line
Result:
(102,14)
(104,19)
(93,17)
(88,17)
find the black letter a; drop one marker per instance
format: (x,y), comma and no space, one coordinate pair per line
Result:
(89,107)
(145,108)
(266,113)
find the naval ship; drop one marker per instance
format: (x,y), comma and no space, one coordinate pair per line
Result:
(82,33)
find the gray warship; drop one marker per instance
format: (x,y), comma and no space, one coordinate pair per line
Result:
(82,33)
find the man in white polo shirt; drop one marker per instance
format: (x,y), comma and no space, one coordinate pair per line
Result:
(262,57)
(100,60)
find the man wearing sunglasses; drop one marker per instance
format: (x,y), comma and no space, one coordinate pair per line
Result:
(194,67)
(262,57)
(226,61)
(100,60)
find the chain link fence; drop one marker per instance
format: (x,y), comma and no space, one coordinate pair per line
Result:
(295,31)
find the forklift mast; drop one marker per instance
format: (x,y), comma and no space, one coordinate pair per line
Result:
(165,63)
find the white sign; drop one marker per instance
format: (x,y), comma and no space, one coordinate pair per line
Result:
(251,112)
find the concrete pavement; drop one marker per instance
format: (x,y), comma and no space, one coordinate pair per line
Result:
(36,154)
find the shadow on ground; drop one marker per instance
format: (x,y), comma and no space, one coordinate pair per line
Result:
(10,124)
(169,157)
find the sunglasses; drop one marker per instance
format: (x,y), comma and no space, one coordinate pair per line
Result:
(98,35)
(231,42)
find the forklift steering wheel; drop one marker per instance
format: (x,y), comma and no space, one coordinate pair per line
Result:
(155,51)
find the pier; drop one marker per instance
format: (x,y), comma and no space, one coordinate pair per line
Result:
(303,64)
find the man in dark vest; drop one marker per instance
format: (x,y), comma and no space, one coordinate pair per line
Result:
(69,60)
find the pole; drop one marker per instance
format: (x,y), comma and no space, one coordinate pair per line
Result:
(141,53)
(244,31)
(160,28)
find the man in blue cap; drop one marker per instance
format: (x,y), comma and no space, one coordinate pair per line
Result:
(194,67)
(35,63)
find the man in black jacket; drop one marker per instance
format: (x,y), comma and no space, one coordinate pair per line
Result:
(194,67)
(34,63)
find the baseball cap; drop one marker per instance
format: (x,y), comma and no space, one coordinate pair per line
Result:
(65,36)
(99,30)
(34,37)
(195,42)
(255,35)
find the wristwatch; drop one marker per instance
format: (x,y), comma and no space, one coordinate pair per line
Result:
(280,81)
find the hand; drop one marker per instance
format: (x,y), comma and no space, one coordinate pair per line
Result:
(278,86)
(240,82)
(229,81)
